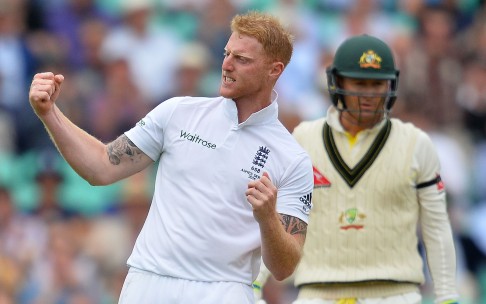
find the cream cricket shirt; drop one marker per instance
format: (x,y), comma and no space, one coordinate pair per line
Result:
(364,221)
(200,225)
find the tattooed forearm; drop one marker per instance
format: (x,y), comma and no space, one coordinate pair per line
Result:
(293,225)
(122,147)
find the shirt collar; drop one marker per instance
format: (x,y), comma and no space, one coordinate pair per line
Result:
(265,115)
(334,122)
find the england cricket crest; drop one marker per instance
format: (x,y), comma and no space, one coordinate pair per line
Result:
(258,163)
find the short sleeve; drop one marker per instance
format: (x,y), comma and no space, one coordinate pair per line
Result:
(295,191)
(148,133)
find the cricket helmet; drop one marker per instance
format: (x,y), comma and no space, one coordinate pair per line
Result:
(362,57)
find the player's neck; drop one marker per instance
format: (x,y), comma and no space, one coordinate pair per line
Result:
(353,126)
(246,106)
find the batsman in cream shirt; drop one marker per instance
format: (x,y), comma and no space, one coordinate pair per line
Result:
(362,241)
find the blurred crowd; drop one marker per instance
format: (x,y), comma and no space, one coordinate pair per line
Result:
(63,241)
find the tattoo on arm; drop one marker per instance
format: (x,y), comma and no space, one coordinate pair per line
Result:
(123,147)
(293,225)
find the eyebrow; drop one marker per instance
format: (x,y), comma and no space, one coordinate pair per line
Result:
(237,54)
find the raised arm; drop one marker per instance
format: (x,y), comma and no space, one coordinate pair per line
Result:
(96,162)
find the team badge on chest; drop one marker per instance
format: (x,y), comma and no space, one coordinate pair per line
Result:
(258,163)
(351,219)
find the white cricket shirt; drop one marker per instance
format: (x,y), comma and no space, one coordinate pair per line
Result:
(200,225)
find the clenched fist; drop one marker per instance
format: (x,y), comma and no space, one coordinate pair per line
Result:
(44,90)
(262,196)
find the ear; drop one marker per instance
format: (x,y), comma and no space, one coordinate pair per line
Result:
(277,69)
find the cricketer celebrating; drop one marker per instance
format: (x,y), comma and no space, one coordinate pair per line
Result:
(232,184)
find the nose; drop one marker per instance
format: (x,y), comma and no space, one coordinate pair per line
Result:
(372,92)
(227,63)
(368,89)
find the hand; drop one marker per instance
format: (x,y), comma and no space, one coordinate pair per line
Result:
(262,196)
(44,90)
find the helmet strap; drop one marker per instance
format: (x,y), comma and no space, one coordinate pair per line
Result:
(355,117)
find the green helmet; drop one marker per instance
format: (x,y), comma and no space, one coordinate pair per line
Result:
(363,57)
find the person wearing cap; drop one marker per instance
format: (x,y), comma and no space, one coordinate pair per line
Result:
(376,180)
(232,186)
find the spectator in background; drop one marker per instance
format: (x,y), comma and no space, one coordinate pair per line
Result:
(119,105)
(16,61)
(151,52)
(472,39)
(298,87)
(478,190)
(63,273)
(213,25)
(17,65)
(65,19)
(11,278)
(49,206)
(471,258)
(21,237)
(91,76)
(192,71)
(471,96)
(11,270)
(23,240)
(7,133)
(432,70)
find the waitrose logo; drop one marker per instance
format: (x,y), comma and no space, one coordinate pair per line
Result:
(196,139)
